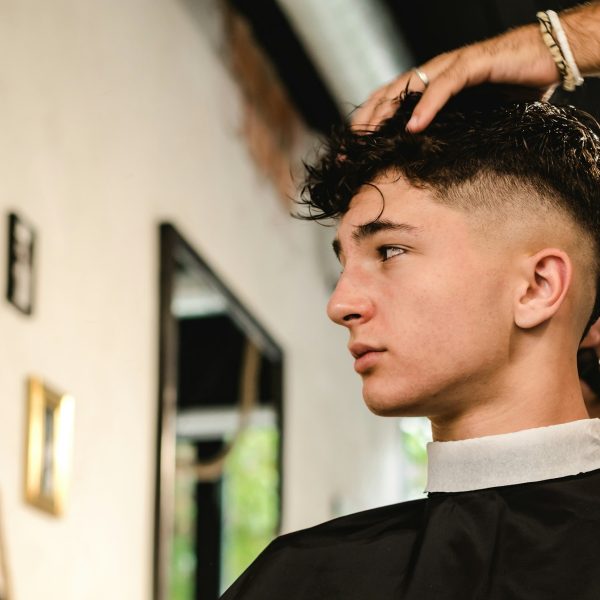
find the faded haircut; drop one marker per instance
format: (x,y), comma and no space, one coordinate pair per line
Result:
(485,138)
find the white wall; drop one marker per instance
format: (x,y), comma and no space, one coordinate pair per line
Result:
(115,115)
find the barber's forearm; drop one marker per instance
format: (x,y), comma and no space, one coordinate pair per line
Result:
(582,28)
(519,56)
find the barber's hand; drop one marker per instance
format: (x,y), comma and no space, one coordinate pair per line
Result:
(517,57)
(591,340)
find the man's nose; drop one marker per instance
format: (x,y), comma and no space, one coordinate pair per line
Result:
(349,304)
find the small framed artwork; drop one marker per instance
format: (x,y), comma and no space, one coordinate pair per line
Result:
(21,244)
(5,582)
(50,425)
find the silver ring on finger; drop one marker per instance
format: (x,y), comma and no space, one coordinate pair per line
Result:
(422,76)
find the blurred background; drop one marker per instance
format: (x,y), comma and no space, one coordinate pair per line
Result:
(150,152)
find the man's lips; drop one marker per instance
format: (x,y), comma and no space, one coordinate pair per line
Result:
(366,356)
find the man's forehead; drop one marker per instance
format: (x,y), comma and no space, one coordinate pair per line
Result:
(386,204)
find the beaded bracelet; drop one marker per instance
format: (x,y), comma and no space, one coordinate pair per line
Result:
(555,38)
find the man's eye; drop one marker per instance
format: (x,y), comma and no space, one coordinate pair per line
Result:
(388,252)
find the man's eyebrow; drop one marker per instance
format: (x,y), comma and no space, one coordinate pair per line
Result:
(370,229)
(367,230)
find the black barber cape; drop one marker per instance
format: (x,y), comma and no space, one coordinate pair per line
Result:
(507,517)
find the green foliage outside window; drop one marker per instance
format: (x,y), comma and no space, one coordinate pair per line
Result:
(250,500)
(250,509)
(415,433)
(183,551)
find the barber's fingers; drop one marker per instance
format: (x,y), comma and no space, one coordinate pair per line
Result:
(379,105)
(462,72)
(383,103)
(383,110)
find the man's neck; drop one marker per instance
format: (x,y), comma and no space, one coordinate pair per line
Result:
(538,403)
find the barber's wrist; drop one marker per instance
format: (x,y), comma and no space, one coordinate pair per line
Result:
(525,58)
(580,25)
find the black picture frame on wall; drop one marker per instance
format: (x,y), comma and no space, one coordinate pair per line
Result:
(20,273)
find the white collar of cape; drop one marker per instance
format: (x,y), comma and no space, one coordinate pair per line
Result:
(520,457)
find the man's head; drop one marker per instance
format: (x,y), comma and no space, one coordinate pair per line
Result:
(470,251)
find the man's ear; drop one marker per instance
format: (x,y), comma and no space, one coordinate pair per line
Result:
(546,280)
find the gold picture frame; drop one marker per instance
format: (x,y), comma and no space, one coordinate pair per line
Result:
(50,423)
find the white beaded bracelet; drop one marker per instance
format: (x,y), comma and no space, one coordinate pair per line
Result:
(561,38)
(555,38)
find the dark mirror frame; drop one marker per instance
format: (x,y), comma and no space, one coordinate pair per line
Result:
(174,251)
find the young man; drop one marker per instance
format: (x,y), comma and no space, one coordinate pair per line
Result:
(470,257)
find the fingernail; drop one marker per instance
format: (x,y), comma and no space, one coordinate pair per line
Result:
(412,123)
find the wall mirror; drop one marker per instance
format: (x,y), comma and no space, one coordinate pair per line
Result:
(219,444)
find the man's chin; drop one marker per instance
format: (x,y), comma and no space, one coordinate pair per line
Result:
(392,405)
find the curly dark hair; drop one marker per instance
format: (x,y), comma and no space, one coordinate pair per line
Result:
(491,131)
